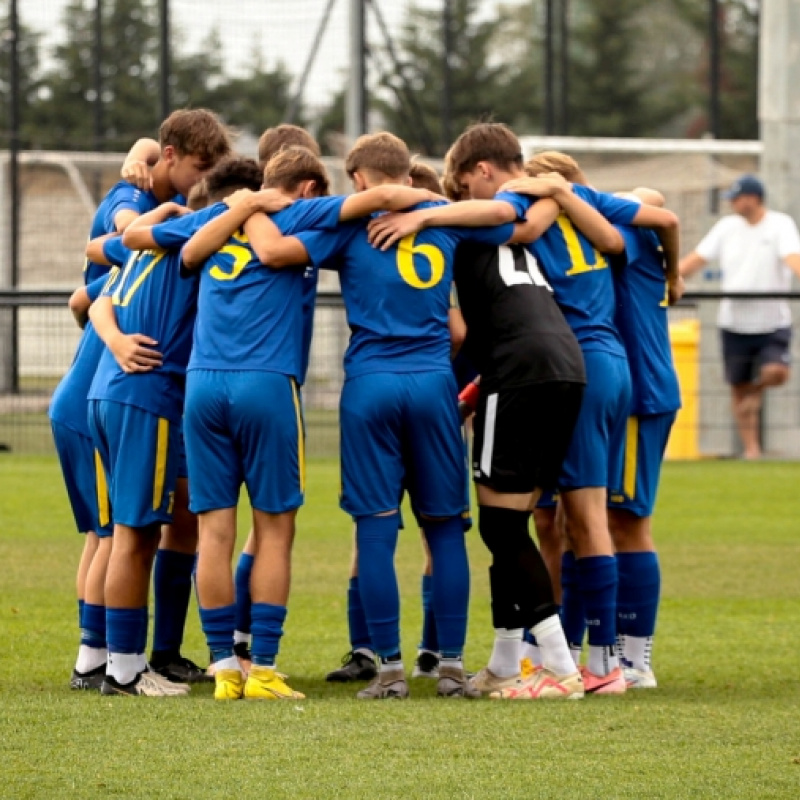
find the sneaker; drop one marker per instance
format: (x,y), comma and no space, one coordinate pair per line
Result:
(527,669)
(453,682)
(174,667)
(242,651)
(613,683)
(356,666)
(389,685)
(263,683)
(229,684)
(544,685)
(170,687)
(143,684)
(639,678)
(426,665)
(88,681)
(486,681)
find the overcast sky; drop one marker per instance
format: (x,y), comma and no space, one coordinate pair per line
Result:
(281,29)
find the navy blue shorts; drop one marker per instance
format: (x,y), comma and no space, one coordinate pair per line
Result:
(745,353)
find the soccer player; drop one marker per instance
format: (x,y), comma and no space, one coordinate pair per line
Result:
(486,157)
(250,343)
(398,414)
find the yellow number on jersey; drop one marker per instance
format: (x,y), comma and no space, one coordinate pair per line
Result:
(122,297)
(576,255)
(406,250)
(241,257)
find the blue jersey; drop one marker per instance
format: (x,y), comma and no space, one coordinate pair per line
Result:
(68,404)
(396,301)
(252,317)
(151,297)
(642,322)
(578,274)
(122,196)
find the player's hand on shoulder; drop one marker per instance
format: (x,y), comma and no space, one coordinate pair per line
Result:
(135,352)
(271,200)
(138,173)
(387,229)
(239,196)
(541,186)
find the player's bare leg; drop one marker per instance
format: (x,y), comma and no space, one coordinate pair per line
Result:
(89,549)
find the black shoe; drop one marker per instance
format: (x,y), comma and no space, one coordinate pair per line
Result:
(426,666)
(356,666)
(88,681)
(174,667)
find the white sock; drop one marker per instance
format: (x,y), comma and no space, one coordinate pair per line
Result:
(454,663)
(504,661)
(638,650)
(123,667)
(576,652)
(240,636)
(90,658)
(365,651)
(602,660)
(553,646)
(390,666)
(143,665)
(228,663)
(532,652)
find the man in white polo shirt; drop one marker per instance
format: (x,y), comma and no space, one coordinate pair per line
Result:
(757,251)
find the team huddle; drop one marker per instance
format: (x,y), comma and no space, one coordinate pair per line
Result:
(511,295)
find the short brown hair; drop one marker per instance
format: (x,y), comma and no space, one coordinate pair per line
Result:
(554,161)
(285,135)
(424,176)
(198,196)
(294,164)
(232,174)
(382,152)
(196,132)
(485,141)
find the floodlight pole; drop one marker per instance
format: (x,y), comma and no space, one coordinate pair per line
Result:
(356,108)
(12,367)
(549,68)
(165,65)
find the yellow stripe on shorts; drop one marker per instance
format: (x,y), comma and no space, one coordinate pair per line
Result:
(301,439)
(162,443)
(631,458)
(103,510)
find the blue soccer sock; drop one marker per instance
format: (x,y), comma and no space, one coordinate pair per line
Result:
(637,605)
(172,584)
(450,585)
(218,624)
(124,635)
(356,621)
(244,569)
(597,577)
(267,631)
(572,615)
(93,630)
(81,604)
(430,639)
(376,539)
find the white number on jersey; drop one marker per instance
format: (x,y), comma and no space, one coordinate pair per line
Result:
(512,276)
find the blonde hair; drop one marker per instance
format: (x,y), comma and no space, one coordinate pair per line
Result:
(294,164)
(554,161)
(273,140)
(424,176)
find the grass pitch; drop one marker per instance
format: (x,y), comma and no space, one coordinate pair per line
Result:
(726,722)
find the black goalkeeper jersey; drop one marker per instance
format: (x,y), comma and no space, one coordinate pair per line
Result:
(516,333)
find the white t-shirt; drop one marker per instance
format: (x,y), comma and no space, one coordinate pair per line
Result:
(751,259)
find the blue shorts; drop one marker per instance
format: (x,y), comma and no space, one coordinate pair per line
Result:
(402,430)
(244,427)
(140,455)
(183,466)
(603,413)
(636,463)
(85,480)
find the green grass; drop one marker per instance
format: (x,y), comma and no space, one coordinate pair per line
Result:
(724,724)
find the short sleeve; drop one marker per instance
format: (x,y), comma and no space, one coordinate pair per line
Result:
(323,246)
(115,252)
(174,233)
(710,244)
(788,238)
(520,202)
(126,197)
(615,209)
(97,286)
(321,213)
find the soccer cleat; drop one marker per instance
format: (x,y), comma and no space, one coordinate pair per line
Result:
(144,684)
(544,685)
(242,651)
(639,678)
(170,687)
(613,683)
(389,685)
(177,669)
(426,665)
(485,681)
(229,684)
(263,683)
(453,682)
(527,669)
(356,666)
(88,681)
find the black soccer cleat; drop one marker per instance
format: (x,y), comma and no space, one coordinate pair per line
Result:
(356,666)
(178,669)
(88,681)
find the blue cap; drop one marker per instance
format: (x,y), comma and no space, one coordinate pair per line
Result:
(747,184)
